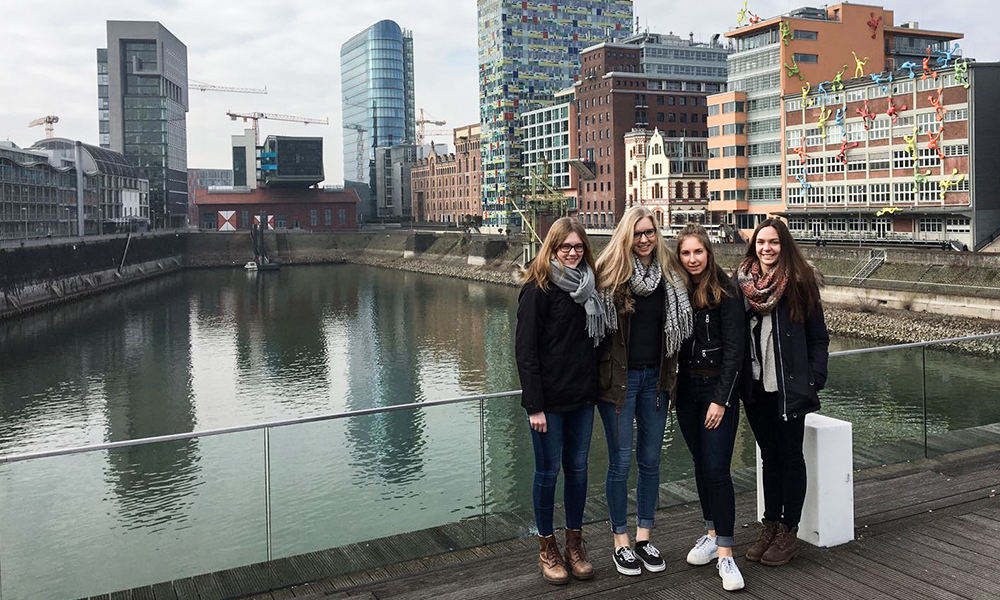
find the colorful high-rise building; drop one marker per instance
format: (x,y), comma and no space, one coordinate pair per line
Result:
(807,51)
(527,52)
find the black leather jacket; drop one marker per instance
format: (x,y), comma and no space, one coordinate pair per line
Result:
(718,344)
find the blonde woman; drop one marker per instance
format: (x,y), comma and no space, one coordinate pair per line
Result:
(649,316)
(560,322)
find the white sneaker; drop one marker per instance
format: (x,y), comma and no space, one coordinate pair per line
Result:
(732,579)
(703,552)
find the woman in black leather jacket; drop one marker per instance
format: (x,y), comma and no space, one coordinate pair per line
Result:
(708,409)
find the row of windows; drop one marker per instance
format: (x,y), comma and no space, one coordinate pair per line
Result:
(906,192)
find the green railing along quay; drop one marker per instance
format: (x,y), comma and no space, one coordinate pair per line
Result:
(253,499)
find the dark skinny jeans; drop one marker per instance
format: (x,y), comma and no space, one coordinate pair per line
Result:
(566,440)
(712,451)
(784,467)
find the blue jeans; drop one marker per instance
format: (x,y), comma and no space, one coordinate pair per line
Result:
(712,451)
(566,440)
(649,412)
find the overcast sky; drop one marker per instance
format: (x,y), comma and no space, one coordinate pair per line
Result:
(293,48)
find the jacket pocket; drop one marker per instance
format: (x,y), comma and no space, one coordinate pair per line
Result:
(604,373)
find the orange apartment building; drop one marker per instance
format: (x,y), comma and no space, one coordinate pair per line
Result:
(446,188)
(806,51)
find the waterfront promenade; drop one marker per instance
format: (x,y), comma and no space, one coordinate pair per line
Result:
(926,529)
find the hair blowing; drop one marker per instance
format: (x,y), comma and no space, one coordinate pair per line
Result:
(802,289)
(709,290)
(538,270)
(614,265)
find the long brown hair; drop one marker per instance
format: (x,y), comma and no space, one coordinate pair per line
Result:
(708,292)
(614,265)
(539,269)
(802,288)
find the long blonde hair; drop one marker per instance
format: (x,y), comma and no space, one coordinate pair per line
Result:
(614,265)
(539,269)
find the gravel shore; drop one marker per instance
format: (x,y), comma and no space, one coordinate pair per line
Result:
(880,325)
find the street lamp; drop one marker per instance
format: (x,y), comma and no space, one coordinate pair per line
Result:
(24,211)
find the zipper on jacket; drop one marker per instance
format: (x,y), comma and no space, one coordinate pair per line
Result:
(708,330)
(784,394)
(731,386)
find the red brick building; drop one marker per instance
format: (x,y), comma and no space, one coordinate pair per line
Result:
(650,82)
(291,208)
(445,188)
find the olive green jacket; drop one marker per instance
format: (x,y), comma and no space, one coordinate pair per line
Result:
(612,380)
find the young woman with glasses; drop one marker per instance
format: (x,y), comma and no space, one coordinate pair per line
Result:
(560,322)
(785,366)
(649,316)
(708,408)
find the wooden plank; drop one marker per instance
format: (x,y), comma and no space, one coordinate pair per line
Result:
(164,591)
(930,570)
(185,589)
(886,579)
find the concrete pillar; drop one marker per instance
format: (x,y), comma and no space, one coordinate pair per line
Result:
(828,513)
(80,192)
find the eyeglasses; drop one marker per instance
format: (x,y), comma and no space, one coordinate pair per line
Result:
(567,248)
(649,234)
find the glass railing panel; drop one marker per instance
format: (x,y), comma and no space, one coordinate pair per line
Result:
(963,396)
(334,484)
(881,394)
(86,524)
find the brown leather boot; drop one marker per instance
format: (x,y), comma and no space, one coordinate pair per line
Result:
(767,534)
(576,555)
(551,561)
(784,548)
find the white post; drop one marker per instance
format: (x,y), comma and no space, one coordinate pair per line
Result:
(828,512)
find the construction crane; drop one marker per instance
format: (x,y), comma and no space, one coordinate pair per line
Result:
(48,121)
(538,204)
(360,152)
(208,87)
(423,120)
(256,116)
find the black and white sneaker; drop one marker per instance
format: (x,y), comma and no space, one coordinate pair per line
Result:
(626,562)
(649,556)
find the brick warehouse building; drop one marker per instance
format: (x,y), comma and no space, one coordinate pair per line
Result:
(647,81)
(445,188)
(312,209)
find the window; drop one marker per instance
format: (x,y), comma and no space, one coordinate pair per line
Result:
(342,216)
(766,193)
(814,195)
(833,165)
(901,159)
(928,122)
(957,114)
(796,224)
(879,193)
(904,126)
(713,110)
(806,58)
(804,34)
(835,194)
(814,166)
(956,150)
(879,129)
(838,224)
(793,138)
(930,225)
(928,192)
(313,218)
(757,171)
(795,196)
(855,95)
(794,167)
(927,157)
(328,217)
(958,225)
(879,161)
(814,137)
(792,105)
(905,87)
(855,131)
(857,194)
(902,193)
(713,132)
(856,163)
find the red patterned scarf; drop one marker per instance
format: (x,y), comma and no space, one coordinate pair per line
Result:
(761,291)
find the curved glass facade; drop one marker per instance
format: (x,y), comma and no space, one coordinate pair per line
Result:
(376,71)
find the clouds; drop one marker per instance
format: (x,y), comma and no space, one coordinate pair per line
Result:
(294,49)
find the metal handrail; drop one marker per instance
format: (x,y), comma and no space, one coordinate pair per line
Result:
(13,458)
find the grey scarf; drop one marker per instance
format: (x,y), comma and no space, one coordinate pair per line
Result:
(580,285)
(763,366)
(678,318)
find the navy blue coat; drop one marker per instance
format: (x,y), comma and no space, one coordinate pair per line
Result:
(801,350)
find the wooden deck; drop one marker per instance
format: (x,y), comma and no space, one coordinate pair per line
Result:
(927,529)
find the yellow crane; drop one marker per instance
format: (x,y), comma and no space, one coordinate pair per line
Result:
(48,121)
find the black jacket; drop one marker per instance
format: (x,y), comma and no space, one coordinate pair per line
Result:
(801,351)
(556,359)
(718,344)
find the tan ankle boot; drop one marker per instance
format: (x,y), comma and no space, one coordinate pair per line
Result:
(576,555)
(551,561)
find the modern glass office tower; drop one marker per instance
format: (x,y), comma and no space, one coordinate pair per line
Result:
(376,74)
(527,52)
(143,101)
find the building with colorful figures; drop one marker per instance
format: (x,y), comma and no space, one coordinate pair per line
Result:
(913,161)
(814,53)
